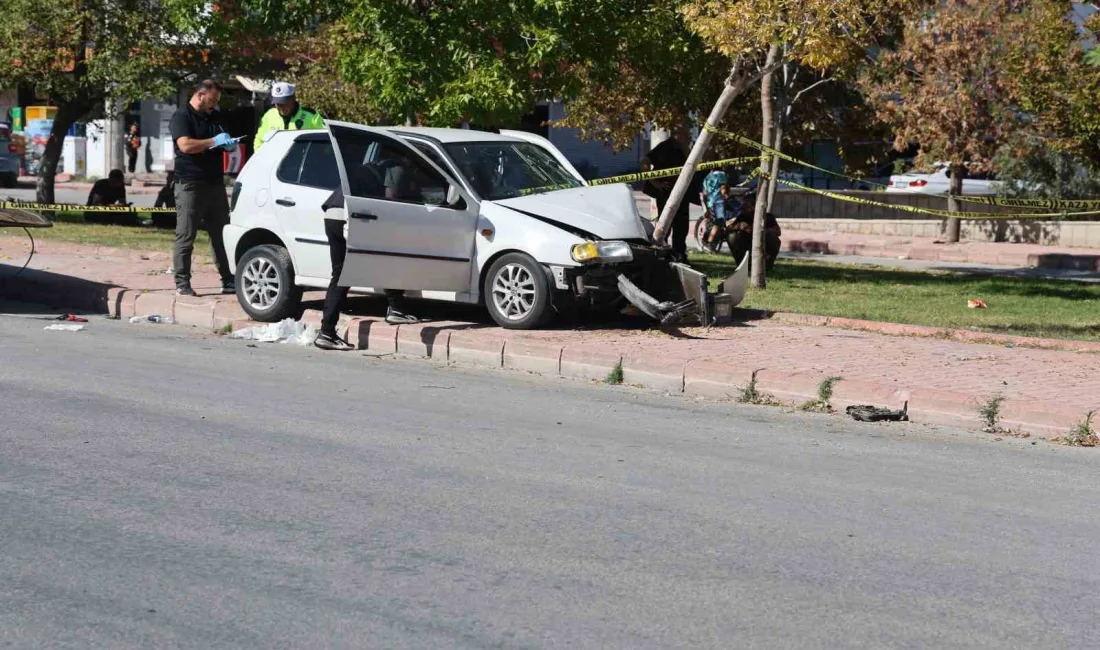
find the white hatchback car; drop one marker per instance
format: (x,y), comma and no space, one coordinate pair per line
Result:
(500,219)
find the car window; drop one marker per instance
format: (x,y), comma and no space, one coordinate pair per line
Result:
(291,167)
(319,168)
(379,167)
(505,169)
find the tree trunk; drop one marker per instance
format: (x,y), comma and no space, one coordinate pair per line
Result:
(955,189)
(47,167)
(767,109)
(777,141)
(735,85)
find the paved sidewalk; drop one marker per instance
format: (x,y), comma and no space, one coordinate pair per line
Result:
(925,248)
(944,381)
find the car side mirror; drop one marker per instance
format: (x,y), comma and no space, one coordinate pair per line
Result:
(453,197)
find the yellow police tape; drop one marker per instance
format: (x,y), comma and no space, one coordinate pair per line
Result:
(73,207)
(931,211)
(782,156)
(645,176)
(1037,204)
(672,171)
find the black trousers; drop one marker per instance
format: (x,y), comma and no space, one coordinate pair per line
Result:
(335,296)
(132,154)
(741,245)
(680,226)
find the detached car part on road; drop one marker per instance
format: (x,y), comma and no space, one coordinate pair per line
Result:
(454,215)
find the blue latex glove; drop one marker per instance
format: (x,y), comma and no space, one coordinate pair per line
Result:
(224,140)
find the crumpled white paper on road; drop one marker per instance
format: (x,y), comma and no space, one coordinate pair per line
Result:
(59,327)
(285,331)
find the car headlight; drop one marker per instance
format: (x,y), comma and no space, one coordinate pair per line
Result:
(602,251)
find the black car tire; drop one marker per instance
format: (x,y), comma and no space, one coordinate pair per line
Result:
(260,271)
(511,276)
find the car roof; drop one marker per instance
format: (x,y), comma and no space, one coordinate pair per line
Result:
(447,136)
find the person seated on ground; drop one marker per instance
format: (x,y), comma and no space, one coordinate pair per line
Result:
(166,198)
(740,240)
(107,192)
(721,204)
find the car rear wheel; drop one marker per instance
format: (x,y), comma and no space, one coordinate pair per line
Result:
(9,180)
(265,284)
(517,292)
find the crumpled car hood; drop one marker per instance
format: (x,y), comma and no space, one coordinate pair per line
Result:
(606,211)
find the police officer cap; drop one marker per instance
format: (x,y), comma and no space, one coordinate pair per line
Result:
(282,92)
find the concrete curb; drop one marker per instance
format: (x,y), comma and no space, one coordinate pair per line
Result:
(464,344)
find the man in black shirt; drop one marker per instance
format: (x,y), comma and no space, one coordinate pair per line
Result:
(107,191)
(200,187)
(741,240)
(667,155)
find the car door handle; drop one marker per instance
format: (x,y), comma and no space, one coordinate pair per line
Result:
(364,216)
(285,202)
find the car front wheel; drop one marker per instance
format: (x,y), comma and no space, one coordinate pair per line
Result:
(517,292)
(265,284)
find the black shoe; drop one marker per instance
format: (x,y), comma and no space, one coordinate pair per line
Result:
(229,288)
(327,341)
(396,317)
(185,291)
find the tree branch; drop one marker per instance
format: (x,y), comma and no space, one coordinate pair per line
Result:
(808,89)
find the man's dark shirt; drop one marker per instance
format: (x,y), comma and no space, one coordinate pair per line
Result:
(205,166)
(108,194)
(667,155)
(749,216)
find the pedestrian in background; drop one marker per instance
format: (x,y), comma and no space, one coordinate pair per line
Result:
(110,191)
(199,141)
(133,143)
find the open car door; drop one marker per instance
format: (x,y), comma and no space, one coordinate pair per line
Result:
(409,225)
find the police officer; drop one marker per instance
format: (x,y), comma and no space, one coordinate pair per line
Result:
(287,114)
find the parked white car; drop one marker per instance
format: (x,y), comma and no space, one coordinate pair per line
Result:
(939,182)
(502,219)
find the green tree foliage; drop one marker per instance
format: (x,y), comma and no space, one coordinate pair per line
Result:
(314,67)
(83,55)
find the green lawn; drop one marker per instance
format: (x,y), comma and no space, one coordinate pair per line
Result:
(136,237)
(1025,307)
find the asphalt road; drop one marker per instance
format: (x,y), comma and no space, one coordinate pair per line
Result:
(160,488)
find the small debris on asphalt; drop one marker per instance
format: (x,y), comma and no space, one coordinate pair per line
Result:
(152,318)
(58,327)
(72,318)
(867,413)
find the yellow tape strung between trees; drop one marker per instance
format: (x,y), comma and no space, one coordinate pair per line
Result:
(672,171)
(644,176)
(1038,204)
(782,156)
(932,211)
(72,207)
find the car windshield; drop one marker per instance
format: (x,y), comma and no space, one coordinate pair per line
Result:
(502,170)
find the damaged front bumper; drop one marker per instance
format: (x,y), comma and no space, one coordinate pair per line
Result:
(668,292)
